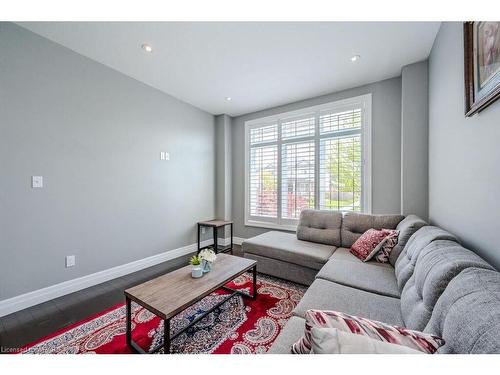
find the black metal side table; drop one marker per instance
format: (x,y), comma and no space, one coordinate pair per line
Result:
(216,224)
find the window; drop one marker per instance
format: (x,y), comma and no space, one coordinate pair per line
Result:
(318,157)
(297,178)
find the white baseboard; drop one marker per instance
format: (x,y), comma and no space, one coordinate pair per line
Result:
(23,301)
(238,240)
(227,241)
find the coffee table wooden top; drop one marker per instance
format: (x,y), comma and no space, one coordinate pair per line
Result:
(169,294)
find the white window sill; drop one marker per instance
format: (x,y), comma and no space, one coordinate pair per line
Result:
(263,224)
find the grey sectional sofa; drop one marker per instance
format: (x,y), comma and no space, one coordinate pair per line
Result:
(432,283)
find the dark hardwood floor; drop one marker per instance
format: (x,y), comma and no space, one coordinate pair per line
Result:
(25,326)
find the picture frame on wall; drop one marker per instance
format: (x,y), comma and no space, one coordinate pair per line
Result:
(481,65)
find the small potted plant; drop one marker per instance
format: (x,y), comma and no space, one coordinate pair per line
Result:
(207,257)
(196,270)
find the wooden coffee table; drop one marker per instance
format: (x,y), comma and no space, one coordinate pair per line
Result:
(168,295)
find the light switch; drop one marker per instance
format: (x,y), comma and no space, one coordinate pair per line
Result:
(70,261)
(162,155)
(167,156)
(36,182)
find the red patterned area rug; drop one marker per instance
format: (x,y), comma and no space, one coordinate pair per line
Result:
(240,326)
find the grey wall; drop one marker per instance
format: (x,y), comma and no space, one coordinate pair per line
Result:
(95,136)
(223,166)
(414,139)
(386,148)
(464,153)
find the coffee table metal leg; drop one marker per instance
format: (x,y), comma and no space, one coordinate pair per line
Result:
(128,304)
(198,240)
(254,271)
(231,238)
(166,336)
(216,245)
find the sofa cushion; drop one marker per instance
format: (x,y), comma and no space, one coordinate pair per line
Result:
(327,295)
(370,276)
(438,263)
(355,224)
(406,228)
(320,226)
(286,247)
(406,262)
(467,315)
(293,331)
(343,253)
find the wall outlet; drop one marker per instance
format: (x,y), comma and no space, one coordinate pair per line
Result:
(70,261)
(203,229)
(36,182)
(167,156)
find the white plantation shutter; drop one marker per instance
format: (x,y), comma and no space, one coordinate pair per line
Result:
(311,158)
(263,189)
(263,181)
(296,128)
(267,133)
(297,178)
(334,122)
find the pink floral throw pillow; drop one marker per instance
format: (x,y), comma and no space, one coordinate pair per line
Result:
(420,341)
(366,244)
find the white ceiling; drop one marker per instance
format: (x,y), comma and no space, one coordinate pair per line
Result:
(258,64)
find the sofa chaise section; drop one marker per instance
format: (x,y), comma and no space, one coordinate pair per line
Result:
(283,255)
(297,256)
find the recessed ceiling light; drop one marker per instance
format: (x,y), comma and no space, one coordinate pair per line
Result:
(146,47)
(228,98)
(355,58)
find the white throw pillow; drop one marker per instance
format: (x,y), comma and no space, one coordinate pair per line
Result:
(334,341)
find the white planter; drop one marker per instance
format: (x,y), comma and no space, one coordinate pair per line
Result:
(196,272)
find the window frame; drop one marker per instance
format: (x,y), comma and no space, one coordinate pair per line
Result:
(364,102)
